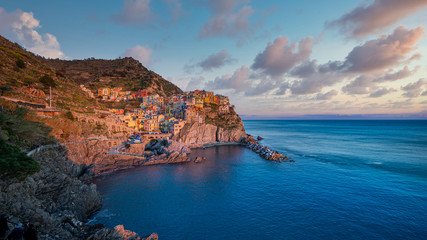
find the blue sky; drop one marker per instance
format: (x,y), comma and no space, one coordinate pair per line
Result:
(278,58)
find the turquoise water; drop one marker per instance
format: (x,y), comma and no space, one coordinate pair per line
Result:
(351,180)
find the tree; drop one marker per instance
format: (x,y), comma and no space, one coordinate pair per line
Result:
(4,88)
(69,115)
(20,63)
(47,81)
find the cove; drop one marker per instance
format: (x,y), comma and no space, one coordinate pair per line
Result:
(332,191)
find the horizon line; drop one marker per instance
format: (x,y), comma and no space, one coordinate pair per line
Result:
(403,116)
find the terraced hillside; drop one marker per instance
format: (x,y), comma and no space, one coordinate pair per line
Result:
(127,73)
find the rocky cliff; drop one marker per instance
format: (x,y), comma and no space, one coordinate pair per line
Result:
(199,134)
(58,199)
(216,128)
(55,199)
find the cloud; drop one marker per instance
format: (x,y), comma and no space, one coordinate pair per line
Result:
(315,83)
(305,69)
(21,25)
(228,18)
(381,92)
(413,90)
(368,83)
(187,82)
(284,67)
(366,19)
(361,85)
(279,57)
(237,81)
(140,53)
(194,83)
(386,51)
(216,60)
(134,12)
(326,96)
(365,65)
(404,73)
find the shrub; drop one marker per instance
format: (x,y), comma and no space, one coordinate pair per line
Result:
(20,64)
(21,132)
(15,163)
(60,73)
(4,88)
(69,115)
(28,80)
(47,81)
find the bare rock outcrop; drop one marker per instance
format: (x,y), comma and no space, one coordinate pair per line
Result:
(230,134)
(198,134)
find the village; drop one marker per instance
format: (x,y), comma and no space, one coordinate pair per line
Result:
(162,116)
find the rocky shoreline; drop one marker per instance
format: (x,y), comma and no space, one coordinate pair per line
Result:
(59,200)
(172,152)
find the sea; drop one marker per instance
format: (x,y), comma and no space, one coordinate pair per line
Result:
(364,179)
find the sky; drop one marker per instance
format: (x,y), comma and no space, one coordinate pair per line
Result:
(272,58)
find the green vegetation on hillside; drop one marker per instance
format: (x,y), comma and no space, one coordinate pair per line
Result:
(15,163)
(20,63)
(21,132)
(18,133)
(47,81)
(227,121)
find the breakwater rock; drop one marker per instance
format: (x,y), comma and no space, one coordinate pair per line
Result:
(262,150)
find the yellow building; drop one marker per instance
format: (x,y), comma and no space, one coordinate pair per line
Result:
(104,91)
(199,102)
(151,125)
(176,127)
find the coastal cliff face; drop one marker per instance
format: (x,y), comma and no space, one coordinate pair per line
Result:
(199,134)
(216,128)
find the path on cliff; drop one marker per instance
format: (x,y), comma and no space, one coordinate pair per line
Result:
(32,152)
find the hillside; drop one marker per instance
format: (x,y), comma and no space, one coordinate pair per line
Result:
(127,73)
(27,77)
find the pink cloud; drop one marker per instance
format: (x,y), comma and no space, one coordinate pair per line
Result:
(326,96)
(414,89)
(134,12)
(279,57)
(140,53)
(237,81)
(386,51)
(216,60)
(366,19)
(227,19)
